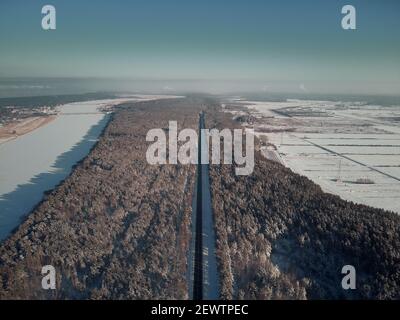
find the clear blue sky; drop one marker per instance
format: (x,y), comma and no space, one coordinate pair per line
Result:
(271,42)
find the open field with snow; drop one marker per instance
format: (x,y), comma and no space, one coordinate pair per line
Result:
(349,149)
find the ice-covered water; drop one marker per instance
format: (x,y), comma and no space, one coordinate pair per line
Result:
(39,160)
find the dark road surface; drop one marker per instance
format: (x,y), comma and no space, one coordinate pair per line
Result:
(204,273)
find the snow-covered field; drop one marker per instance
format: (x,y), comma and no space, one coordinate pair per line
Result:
(349,149)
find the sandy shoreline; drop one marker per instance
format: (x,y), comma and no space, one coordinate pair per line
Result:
(18,128)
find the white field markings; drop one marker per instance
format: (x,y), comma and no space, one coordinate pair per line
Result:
(352,159)
(349,144)
(339,176)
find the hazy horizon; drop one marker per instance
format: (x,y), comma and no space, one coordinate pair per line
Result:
(25,87)
(261,46)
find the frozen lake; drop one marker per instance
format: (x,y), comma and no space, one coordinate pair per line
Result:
(39,160)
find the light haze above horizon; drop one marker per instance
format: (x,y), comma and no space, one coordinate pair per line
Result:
(276,45)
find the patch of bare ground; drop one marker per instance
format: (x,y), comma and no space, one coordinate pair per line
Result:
(18,128)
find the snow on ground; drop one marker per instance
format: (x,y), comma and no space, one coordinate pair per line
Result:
(349,149)
(39,160)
